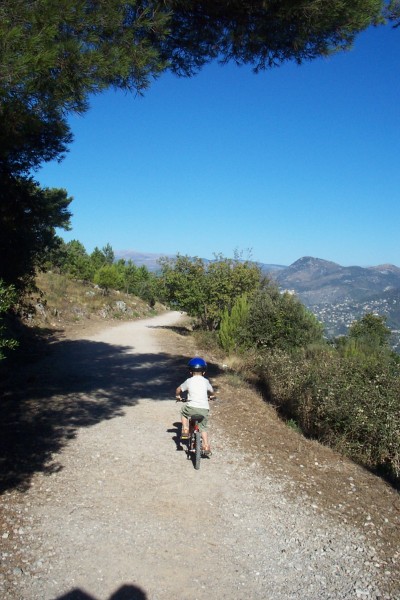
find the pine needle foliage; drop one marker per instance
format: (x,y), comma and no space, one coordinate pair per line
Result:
(233,325)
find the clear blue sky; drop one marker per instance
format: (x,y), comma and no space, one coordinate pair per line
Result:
(298,161)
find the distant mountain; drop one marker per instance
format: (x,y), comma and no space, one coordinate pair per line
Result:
(269,269)
(340,295)
(150,260)
(318,281)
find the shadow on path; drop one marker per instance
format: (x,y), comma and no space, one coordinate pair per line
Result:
(125,592)
(181,330)
(79,384)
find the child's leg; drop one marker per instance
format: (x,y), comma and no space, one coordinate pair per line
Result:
(204,437)
(185,425)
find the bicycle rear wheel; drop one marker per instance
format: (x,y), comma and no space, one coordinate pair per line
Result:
(197,455)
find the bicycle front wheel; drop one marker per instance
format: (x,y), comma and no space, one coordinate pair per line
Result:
(197,455)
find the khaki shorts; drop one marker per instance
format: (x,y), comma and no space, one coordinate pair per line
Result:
(188,411)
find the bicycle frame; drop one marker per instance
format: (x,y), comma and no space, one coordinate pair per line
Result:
(194,449)
(194,441)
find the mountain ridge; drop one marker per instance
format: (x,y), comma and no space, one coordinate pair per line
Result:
(340,295)
(319,281)
(150,260)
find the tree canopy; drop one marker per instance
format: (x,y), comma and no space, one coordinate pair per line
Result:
(281,321)
(29,216)
(206,289)
(54,55)
(263,33)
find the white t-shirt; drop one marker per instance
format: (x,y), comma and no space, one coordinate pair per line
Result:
(197,387)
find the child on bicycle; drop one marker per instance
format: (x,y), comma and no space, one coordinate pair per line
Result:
(198,389)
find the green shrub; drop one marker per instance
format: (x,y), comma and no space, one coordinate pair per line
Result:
(108,277)
(205,289)
(233,325)
(350,403)
(291,423)
(281,321)
(8,298)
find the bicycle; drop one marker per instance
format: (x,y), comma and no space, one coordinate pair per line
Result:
(194,449)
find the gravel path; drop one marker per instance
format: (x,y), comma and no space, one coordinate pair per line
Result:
(123,515)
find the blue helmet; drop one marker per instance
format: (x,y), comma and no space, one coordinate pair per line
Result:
(197,364)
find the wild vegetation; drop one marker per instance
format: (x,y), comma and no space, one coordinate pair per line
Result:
(345,393)
(101,268)
(8,298)
(64,302)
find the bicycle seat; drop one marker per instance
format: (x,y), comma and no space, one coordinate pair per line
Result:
(197,418)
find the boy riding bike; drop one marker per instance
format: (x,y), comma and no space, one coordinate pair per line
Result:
(198,389)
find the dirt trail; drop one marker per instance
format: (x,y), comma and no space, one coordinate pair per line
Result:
(117,512)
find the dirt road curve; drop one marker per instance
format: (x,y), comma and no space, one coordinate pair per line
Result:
(117,512)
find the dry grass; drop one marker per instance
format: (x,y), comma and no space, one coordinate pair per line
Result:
(63,303)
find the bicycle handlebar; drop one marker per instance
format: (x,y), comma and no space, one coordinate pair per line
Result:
(180,399)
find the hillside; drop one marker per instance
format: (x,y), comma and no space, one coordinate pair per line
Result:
(340,295)
(318,281)
(66,304)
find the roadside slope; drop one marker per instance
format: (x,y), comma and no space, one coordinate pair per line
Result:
(116,511)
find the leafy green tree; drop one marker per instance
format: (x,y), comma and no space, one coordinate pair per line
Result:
(149,290)
(184,284)
(108,253)
(105,256)
(97,259)
(371,329)
(62,52)
(29,135)
(281,321)
(56,257)
(368,335)
(54,55)
(77,261)
(205,290)
(108,277)
(393,12)
(147,285)
(29,217)
(131,278)
(57,53)
(263,34)
(227,279)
